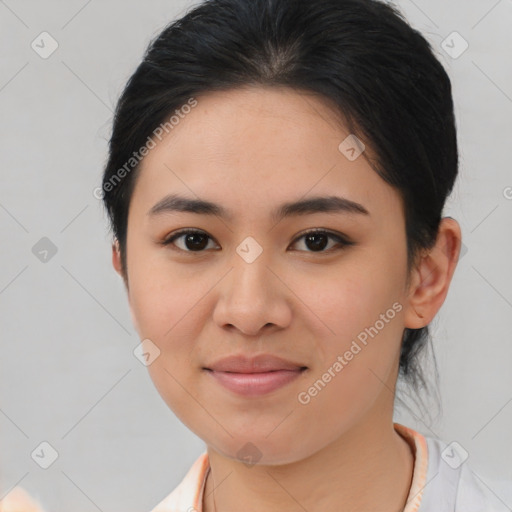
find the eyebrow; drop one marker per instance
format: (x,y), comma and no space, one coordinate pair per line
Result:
(320,204)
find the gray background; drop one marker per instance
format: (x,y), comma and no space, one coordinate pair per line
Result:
(68,374)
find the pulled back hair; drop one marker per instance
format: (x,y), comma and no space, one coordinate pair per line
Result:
(361,56)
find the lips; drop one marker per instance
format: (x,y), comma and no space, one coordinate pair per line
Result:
(257,364)
(254,376)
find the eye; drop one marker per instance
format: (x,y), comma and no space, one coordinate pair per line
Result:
(318,239)
(194,240)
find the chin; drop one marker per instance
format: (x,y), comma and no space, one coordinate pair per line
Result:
(261,449)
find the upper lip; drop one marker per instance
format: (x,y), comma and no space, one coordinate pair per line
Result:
(256,364)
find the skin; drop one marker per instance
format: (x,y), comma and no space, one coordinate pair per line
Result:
(249,150)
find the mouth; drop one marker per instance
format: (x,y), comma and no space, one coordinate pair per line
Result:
(257,383)
(254,376)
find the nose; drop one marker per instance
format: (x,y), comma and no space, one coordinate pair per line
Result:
(252,299)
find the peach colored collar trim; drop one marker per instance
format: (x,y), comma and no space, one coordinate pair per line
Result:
(418,445)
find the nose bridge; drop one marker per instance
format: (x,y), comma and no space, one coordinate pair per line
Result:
(251,297)
(250,280)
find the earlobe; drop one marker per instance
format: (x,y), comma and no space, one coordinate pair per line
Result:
(433,275)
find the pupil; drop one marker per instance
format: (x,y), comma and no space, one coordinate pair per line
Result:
(192,238)
(316,245)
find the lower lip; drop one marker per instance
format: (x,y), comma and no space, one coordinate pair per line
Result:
(255,384)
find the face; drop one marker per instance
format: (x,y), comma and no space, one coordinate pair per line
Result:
(251,283)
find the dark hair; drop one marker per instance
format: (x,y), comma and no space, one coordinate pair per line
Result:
(361,56)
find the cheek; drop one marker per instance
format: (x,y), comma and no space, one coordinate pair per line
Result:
(354,297)
(167,309)
(355,365)
(162,300)
(363,312)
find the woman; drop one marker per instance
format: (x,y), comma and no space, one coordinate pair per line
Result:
(275,184)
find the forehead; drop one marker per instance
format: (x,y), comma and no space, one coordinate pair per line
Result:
(253,146)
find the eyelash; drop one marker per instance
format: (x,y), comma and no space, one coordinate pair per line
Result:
(342,241)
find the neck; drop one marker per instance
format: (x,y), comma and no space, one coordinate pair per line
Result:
(367,468)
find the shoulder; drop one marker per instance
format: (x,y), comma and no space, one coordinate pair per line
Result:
(476,493)
(453,486)
(187,496)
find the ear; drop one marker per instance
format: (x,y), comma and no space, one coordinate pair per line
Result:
(432,275)
(116,262)
(116,258)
